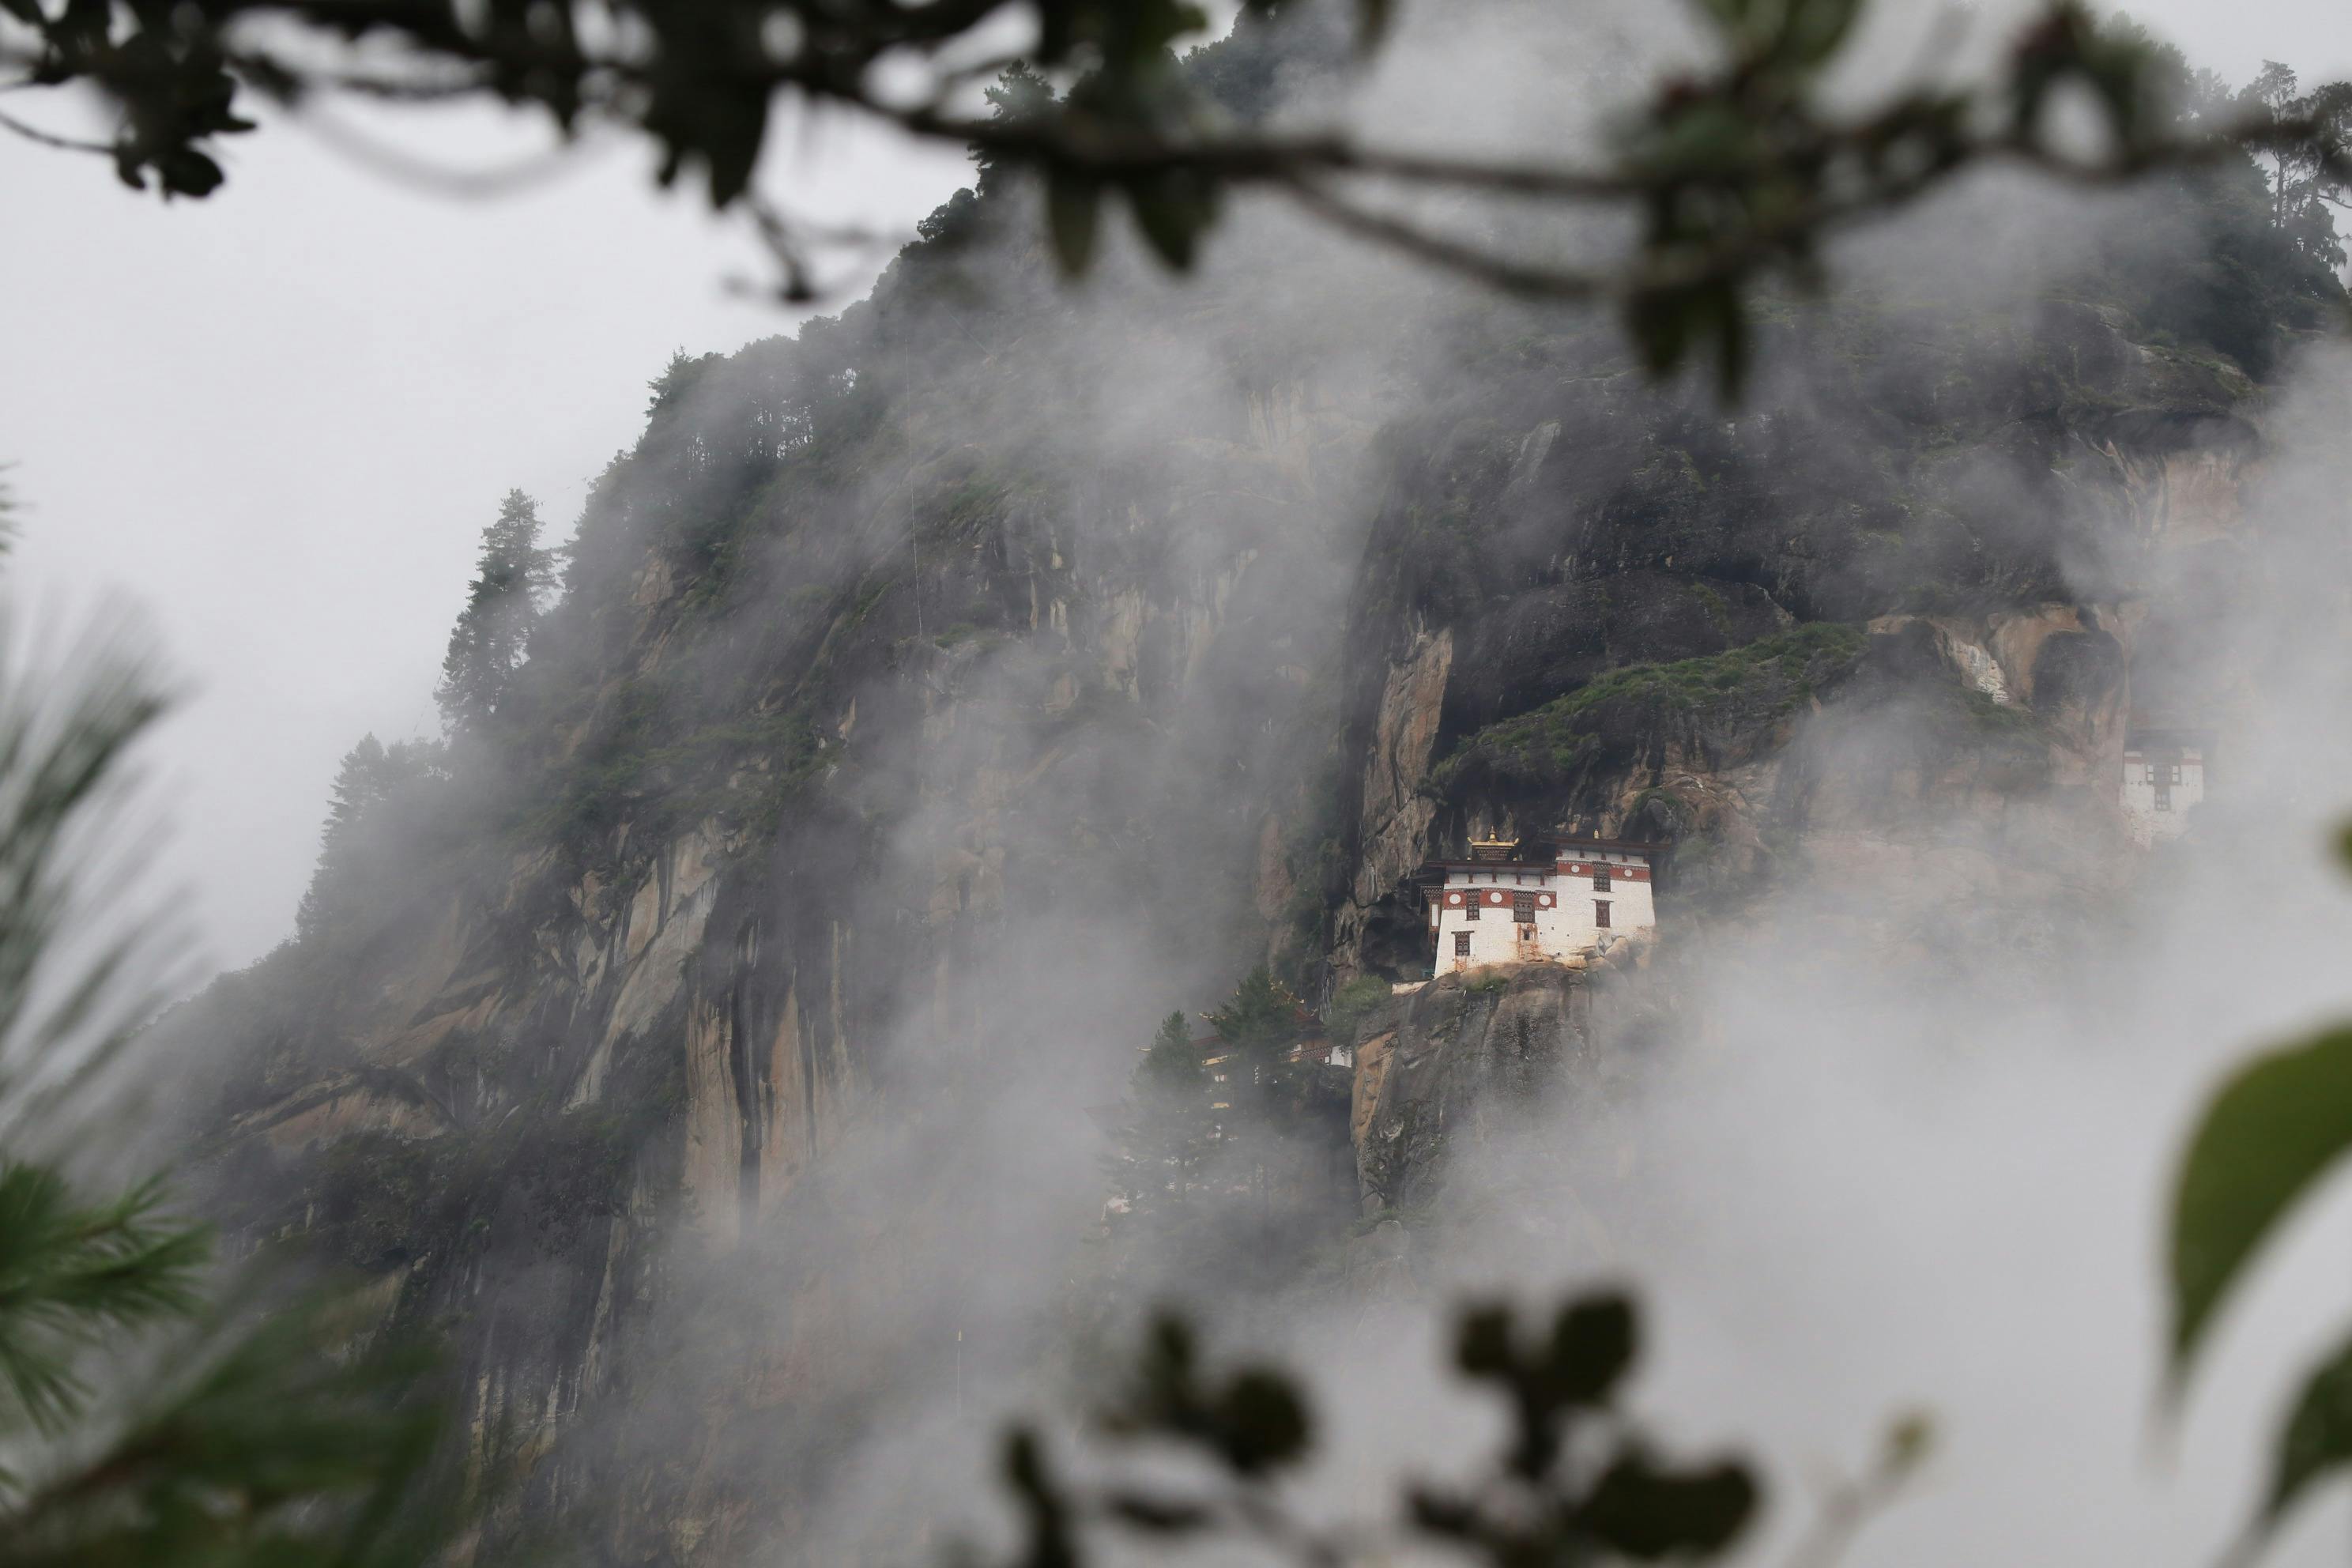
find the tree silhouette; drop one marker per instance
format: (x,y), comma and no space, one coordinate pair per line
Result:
(511,580)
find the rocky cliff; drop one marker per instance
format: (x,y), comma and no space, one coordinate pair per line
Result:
(1768,643)
(941,695)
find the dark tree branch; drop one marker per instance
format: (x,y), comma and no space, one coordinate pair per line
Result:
(1511,277)
(404,169)
(1733,173)
(34,134)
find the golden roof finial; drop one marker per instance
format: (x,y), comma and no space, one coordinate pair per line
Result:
(1490,848)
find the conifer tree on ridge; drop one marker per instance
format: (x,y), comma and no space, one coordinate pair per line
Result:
(512,578)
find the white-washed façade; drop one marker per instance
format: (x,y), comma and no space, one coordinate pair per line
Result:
(2164,781)
(1532,902)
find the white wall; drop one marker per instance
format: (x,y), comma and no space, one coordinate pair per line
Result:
(2147,824)
(1565,923)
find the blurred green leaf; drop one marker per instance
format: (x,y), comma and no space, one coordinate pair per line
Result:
(1648,1513)
(1260,1423)
(1576,1369)
(1727,14)
(1907,1442)
(1659,322)
(1257,1421)
(1482,1345)
(1723,314)
(1172,210)
(1073,206)
(1156,1516)
(1705,138)
(2316,1439)
(2278,1124)
(1816,30)
(1047,1541)
(1593,1345)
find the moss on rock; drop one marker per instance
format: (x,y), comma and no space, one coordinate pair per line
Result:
(1743,688)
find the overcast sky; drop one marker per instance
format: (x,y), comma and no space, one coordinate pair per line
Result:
(276,421)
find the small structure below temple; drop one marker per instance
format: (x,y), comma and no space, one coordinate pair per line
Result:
(1537,902)
(2164,779)
(1226,1063)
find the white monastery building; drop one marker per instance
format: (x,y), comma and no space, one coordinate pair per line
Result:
(1559,901)
(2164,778)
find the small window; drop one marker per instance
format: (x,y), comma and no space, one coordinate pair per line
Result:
(1461,944)
(1600,879)
(1526,935)
(1470,910)
(1600,913)
(1523,908)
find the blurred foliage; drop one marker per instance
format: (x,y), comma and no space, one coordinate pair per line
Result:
(1733,173)
(147,1414)
(1576,1480)
(2277,1126)
(72,1274)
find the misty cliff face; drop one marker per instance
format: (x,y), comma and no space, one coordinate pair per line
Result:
(940,697)
(1675,623)
(1464,1059)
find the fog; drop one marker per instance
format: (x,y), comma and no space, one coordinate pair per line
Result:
(1869,1186)
(1854,1185)
(278,420)
(1849,1182)
(1845,1187)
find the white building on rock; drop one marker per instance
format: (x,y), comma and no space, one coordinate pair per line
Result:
(2164,778)
(1539,902)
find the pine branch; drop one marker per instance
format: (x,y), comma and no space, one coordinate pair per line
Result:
(145,1424)
(63,742)
(71,1275)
